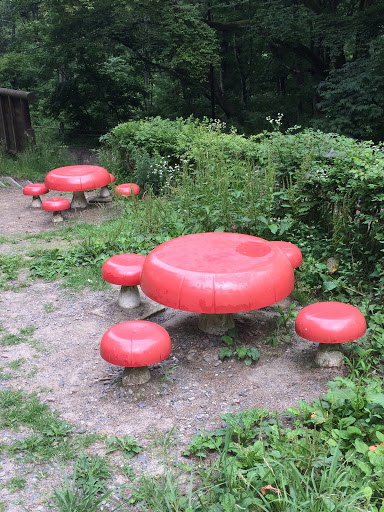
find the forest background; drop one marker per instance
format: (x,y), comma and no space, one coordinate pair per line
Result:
(93,64)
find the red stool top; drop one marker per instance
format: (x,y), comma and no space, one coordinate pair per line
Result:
(292,252)
(35,189)
(135,343)
(123,269)
(55,204)
(126,189)
(330,322)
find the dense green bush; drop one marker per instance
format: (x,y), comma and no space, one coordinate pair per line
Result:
(271,184)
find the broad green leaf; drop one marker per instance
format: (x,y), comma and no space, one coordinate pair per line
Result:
(360,446)
(227,340)
(241,352)
(253,353)
(225,352)
(375,398)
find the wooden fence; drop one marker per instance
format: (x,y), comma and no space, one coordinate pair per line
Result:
(16,130)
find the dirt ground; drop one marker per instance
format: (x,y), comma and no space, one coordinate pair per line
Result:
(189,390)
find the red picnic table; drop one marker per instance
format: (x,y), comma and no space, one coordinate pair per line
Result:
(217,274)
(78,179)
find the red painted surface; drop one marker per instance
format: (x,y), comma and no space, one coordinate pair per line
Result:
(76,178)
(113,179)
(330,322)
(135,343)
(217,273)
(123,269)
(126,189)
(292,252)
(35,189)
(55,204)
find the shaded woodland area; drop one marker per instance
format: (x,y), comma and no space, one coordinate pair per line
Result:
(93,64)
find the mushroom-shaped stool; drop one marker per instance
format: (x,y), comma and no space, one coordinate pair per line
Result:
(125,270)
(56,205)
(35,190)
(330,324)
(127,189)
(292,252)
(135,345)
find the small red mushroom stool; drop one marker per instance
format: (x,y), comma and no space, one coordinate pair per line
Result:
(291,251)
(135,344)
(125,270)
(36,190)
(127,189)
(56,205)
(330,324)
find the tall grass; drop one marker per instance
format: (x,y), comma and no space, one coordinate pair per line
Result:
(37,160)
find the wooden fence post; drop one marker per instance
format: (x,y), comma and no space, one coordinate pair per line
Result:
(16,130)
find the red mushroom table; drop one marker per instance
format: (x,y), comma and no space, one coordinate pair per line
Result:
(77,179)
(217,274)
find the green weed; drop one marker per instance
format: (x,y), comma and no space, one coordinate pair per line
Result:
(127,444)
(50,436)
(5,376)
(12,339)
(86,490)
(16,483)
(281,324)
(16,364)
(167,375)
(9,339)
(232,349)
(10,267)
(49,307)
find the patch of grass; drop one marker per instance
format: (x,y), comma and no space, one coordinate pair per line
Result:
(32,373)
(86,491)
(9,339)
(12,239)
(232,349)
(127,471)
(48,438)
(50,435)
(47,153)
(10,267)
(5,376)
(49,307)
(127,444)
(16,483)
(39,346)
(28,330)
(85,277)
(86,440)
(16,364)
